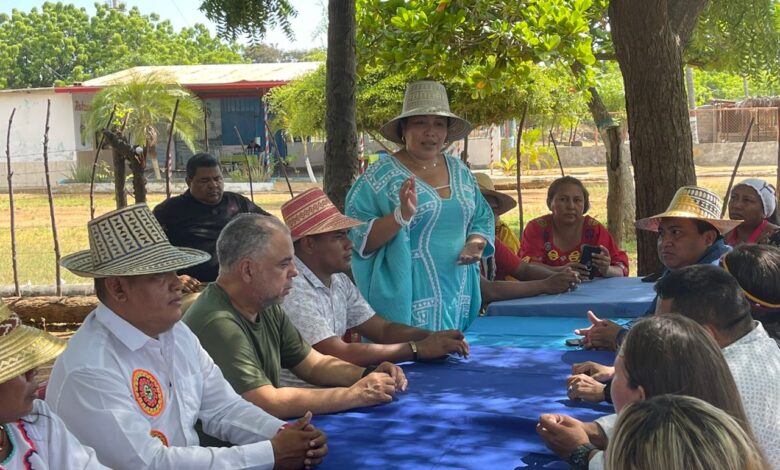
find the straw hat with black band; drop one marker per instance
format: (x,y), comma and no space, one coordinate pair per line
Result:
(130,242)
(22,347)
(692,202)
(426,98)
(488,189)
(312,213)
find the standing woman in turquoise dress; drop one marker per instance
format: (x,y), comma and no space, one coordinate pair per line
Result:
(427,223)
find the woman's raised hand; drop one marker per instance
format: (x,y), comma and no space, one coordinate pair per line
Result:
(408,197)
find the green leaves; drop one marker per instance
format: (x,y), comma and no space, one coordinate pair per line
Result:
(63,44)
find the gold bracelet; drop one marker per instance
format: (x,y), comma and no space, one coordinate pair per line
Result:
(413,345)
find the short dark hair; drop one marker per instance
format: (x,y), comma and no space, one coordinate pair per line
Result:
(200,160)
(706,294)
(757,270)
(555,186)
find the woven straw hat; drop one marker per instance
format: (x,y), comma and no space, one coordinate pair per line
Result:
(421,99)
(23,347)
(488,189)
(311,212)
(692,202)
(130,242)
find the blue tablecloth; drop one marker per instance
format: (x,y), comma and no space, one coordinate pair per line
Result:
(479,413)
(611,297)
(526,332)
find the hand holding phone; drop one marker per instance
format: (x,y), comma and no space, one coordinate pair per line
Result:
(587,258)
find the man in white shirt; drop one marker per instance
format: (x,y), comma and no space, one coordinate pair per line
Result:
(134,380)
(324,302)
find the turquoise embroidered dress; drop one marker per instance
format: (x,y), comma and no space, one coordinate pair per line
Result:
(414,278)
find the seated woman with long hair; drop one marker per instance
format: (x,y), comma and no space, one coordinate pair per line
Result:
(31,435)
(558,238)
(676,432)
(661,354)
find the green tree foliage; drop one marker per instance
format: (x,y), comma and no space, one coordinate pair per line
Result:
(738,36)
(251,18)
(269,53)
(61,44)
(490,44)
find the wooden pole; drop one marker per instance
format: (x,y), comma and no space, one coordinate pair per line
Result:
(206,127)
(736,167)
(777,179)
(557,155)
(248,166)
(51,200)
(519,167)
(94,167)
(168,159)
(279,154)
(17,293)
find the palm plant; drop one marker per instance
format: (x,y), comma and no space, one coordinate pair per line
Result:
(143,103)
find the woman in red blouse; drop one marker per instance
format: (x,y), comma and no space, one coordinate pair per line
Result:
(557,239)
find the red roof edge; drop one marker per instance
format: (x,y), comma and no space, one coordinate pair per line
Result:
(194,87)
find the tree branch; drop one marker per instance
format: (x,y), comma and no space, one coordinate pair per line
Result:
(683,17)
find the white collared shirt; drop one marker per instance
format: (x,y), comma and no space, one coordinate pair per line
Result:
(136,399)
(754,361)
(320,312)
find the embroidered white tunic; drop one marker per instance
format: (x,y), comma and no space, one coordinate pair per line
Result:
(135,400)
(42,442)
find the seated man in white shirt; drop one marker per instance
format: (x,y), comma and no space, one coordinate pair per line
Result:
(134,380)
(324,302)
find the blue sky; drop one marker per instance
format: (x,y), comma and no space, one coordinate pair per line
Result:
(184,13)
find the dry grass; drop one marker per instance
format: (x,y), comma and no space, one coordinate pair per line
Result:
(35,249)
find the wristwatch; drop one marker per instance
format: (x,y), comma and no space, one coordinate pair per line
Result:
(578,460)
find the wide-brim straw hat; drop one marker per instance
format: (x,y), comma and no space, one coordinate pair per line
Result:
(311,212)
(488,189)
(22,347)
(130,242)
(692,202)
(421,99)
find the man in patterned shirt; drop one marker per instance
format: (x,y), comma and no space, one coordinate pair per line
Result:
(324,302)
(714,299)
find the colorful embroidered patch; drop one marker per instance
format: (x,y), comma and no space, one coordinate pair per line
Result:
(575,256)
(526,259)
(147,392)
(541,222)
(159,435)
(547,246)
(593,222)
(553,255)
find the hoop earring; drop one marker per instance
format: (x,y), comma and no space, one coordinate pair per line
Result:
(403,139)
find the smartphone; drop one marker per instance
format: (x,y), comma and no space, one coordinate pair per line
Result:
(587,258)
(577,342)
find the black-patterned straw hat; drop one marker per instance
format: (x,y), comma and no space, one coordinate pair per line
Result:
(692,202)
(130,242)
(421,99)
(22,347)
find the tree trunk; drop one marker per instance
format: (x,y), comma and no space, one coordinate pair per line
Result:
(464,155)
(341,150)
(620,193)
(650,58)
(120,175)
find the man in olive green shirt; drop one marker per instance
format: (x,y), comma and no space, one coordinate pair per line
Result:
(240,323)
